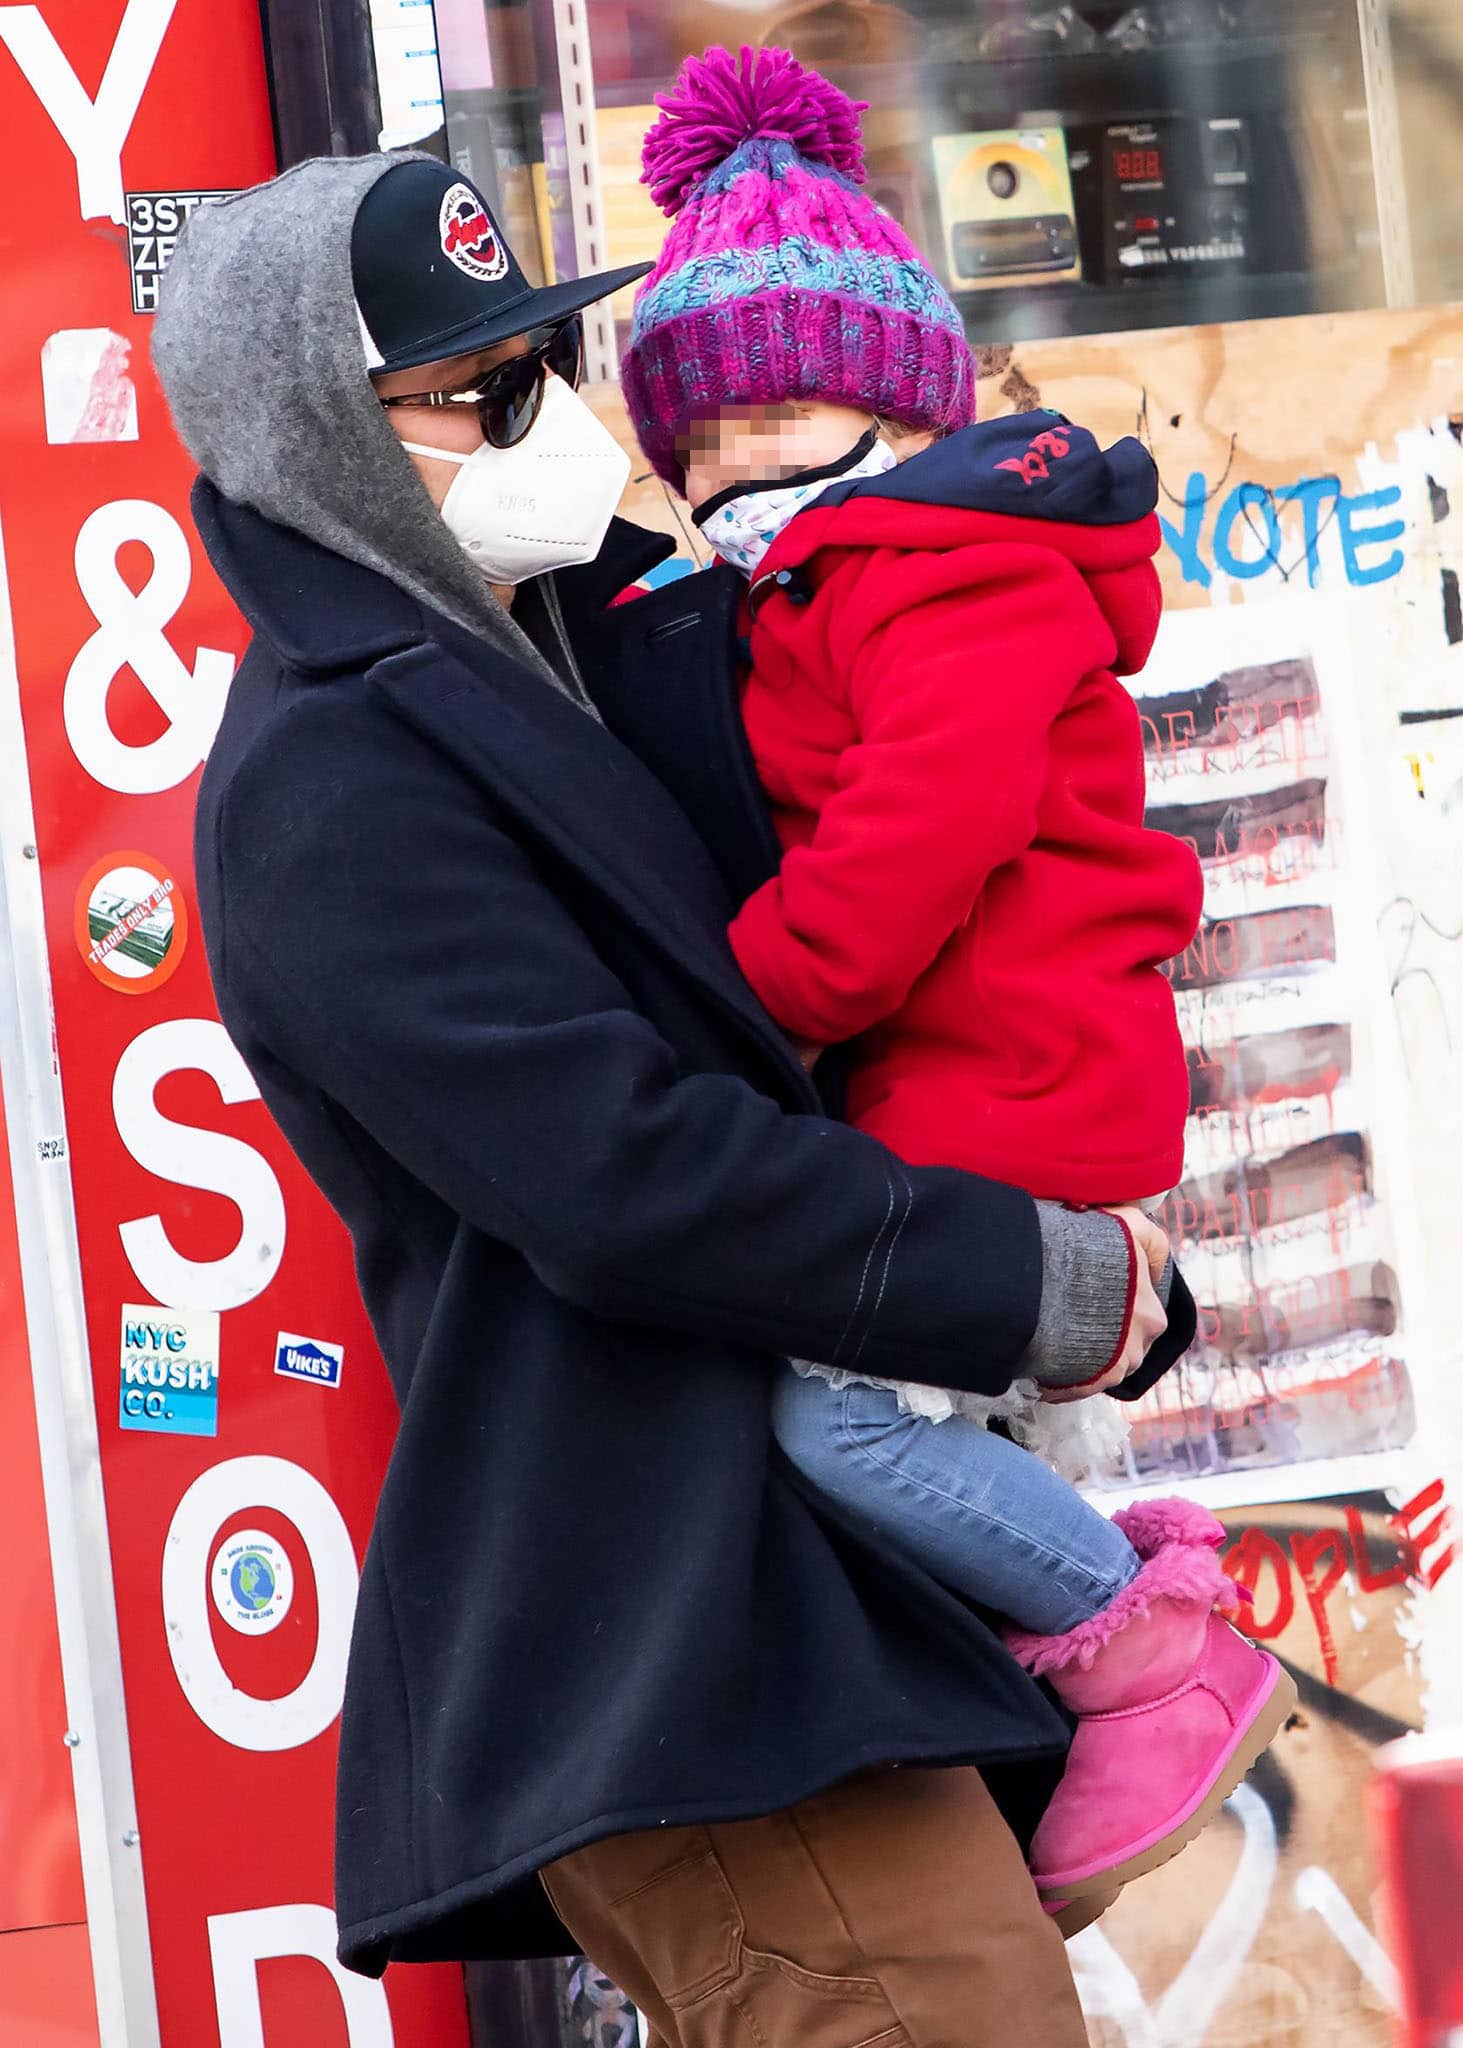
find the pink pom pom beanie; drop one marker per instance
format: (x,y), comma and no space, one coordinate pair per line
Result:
(779,278)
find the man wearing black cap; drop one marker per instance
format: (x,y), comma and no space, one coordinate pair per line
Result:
(474,952)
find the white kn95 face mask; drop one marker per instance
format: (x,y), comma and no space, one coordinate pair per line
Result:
(546,502)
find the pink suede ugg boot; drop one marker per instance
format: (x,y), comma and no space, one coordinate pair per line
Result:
(1174,1707)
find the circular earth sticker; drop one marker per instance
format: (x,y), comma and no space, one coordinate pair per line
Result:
(253,1582)
(131,922)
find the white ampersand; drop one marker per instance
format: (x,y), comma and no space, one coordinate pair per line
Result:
(130,635)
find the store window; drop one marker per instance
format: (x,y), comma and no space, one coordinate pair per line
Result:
(1073,168)
(1426,44)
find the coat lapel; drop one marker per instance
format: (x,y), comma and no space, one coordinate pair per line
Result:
(665,683)
(580,791)
(575,787)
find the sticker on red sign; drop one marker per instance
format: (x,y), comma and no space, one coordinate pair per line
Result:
(131,922)
(154,222)
(169,1371)
(308,1358)
(253,1583)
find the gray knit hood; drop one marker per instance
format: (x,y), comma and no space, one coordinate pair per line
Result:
(259,348)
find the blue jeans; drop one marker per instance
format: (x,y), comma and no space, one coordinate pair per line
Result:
(976,1510)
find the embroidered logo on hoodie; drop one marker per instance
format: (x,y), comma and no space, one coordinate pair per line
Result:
(1044,450)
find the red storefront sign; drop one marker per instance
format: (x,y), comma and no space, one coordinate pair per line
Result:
(45,1970)
(227,1414)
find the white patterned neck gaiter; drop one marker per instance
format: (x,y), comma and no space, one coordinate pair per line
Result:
(742,522)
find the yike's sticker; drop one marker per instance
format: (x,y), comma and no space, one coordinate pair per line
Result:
(309,1359)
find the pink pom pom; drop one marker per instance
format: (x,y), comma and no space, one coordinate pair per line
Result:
(719,102)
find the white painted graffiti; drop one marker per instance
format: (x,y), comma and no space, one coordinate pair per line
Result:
(1185,2013)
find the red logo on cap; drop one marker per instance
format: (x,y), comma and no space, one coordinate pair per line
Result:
(469,239)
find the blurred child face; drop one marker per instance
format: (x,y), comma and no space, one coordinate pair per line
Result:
(743,443)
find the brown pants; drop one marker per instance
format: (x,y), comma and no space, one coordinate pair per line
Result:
(891,1912)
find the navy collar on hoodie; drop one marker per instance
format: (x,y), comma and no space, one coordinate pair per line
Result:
(325,613)
(1012,466)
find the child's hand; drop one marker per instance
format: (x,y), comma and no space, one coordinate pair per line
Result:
(808,1053)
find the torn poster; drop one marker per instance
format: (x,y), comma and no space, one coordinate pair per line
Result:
(1282,1221)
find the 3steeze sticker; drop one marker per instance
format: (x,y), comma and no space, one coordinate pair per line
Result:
(154,222)
(469,238)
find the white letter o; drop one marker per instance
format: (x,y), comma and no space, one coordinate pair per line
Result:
(238,1717)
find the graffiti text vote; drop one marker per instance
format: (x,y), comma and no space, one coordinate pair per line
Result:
(1258,531)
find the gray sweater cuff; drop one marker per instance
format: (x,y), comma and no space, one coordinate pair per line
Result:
(1086,1296)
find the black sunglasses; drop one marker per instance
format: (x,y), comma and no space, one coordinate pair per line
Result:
(509,396)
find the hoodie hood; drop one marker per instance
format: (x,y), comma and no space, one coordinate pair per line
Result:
(1033,478)
(259,347)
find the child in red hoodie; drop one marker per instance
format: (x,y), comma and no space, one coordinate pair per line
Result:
(937,614)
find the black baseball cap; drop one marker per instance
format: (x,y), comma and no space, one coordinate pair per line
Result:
(434,275)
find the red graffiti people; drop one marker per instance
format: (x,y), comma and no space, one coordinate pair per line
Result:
(1322,1558)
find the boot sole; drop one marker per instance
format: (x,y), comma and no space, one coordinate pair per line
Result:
(1079,1914)
(1280,1703)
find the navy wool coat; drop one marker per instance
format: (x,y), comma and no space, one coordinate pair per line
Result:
(593,1199)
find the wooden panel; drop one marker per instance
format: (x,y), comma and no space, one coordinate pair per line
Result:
(1267,402)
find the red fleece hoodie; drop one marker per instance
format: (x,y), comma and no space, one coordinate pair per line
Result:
(968,888)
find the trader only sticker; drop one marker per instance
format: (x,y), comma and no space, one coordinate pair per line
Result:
(170,1371)
(131,923)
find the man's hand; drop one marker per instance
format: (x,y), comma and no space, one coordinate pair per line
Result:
(1150,1238)
(808,1052)
(1149,1318)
